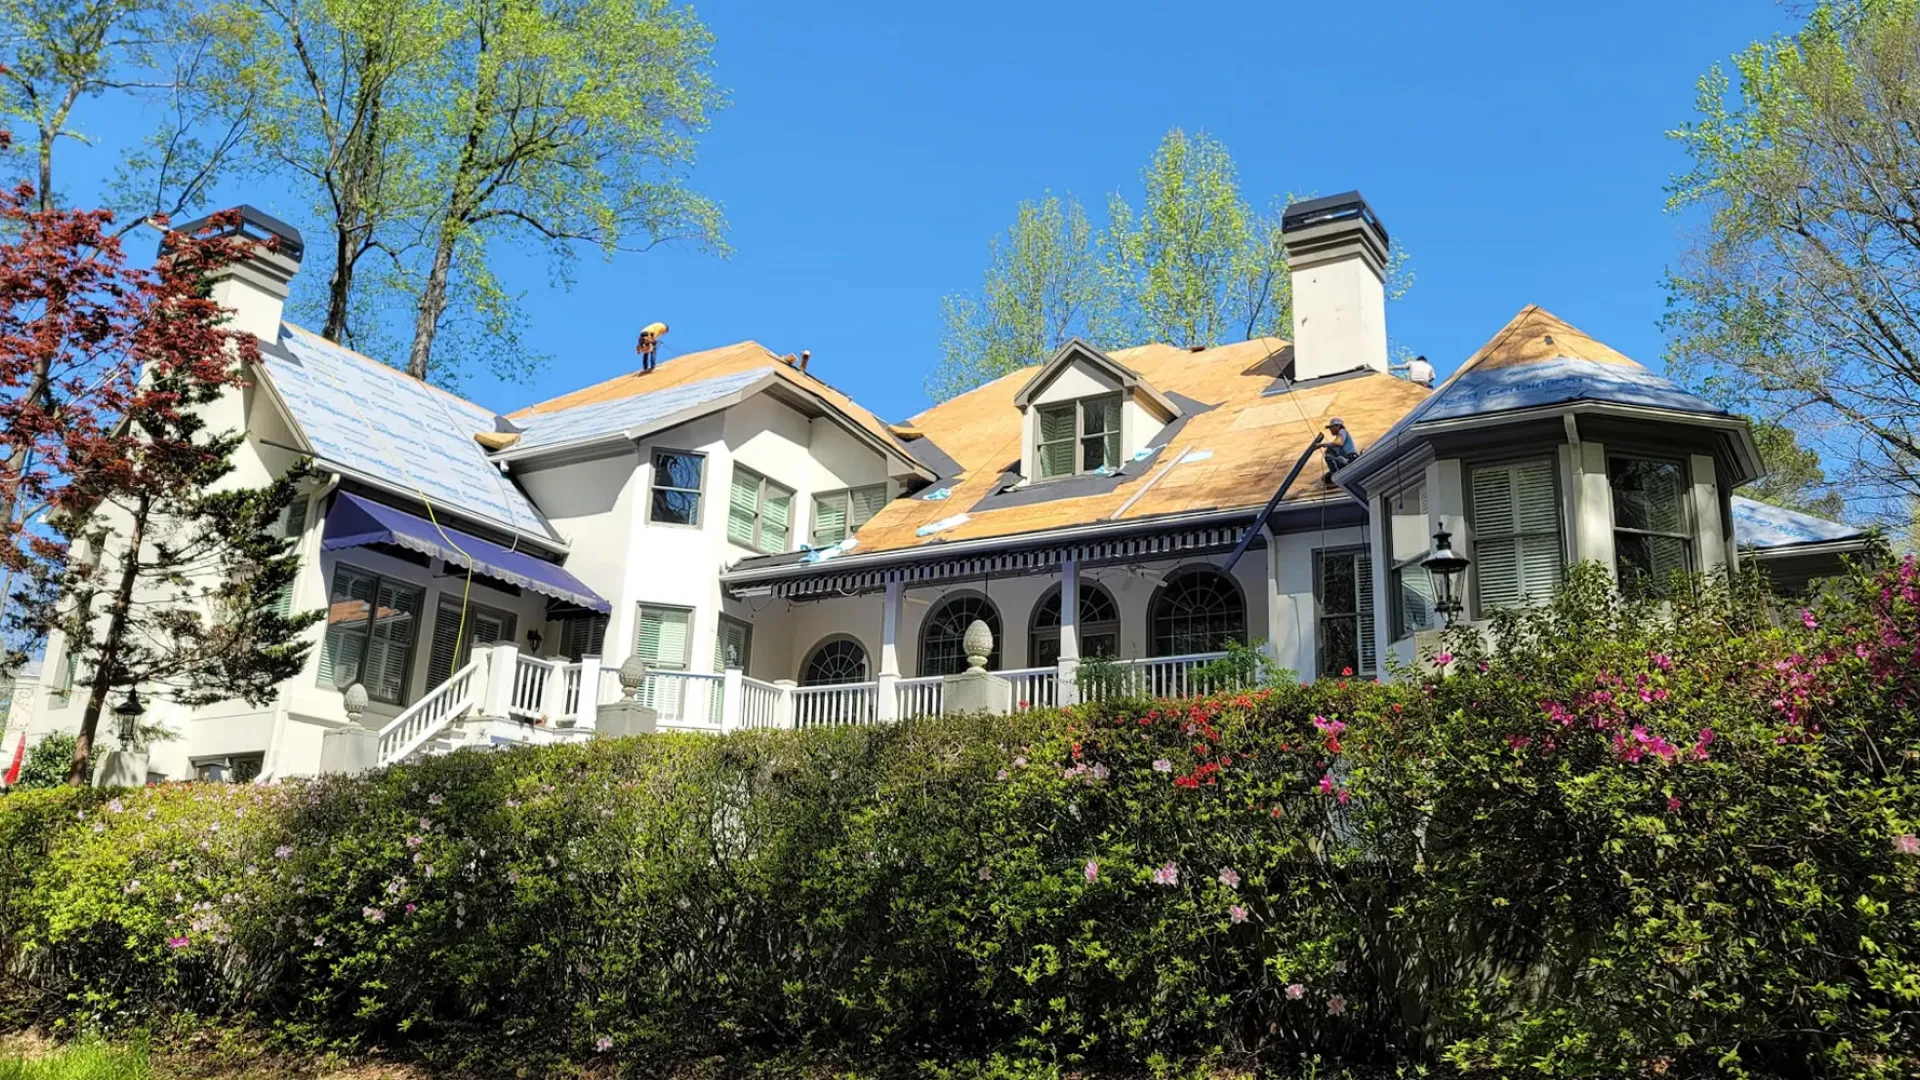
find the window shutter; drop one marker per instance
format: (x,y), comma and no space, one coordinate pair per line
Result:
(1537,508)
(1056,441)
(662,638)
(776,510)
(1363,587)
(445,651)
(583,636)
(864,503)
(830,519)
(295,524)
(735,635)
(344,646)
(390,649)
(744,506)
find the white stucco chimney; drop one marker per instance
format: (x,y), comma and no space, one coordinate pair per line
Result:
(256,287)
(1337,253)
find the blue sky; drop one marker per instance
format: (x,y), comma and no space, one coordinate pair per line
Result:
(1517,151)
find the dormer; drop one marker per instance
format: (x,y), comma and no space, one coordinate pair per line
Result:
(1087,413)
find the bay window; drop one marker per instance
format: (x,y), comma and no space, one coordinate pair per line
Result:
(371,625)
(1518,556)
(1652,531)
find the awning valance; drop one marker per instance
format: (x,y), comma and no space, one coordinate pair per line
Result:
(355,521)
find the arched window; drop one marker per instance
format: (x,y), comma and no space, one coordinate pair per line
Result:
(1197,610)
(835,660)
(941,650)
(1099,626)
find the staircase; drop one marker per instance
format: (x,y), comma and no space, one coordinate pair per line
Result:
(422,725)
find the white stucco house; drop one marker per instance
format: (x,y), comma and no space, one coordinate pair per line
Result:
(781,557)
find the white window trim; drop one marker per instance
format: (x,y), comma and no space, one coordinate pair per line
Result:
(760,511)
(699,493)
(1080,436)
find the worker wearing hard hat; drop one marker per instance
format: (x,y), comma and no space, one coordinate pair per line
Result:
(650,336)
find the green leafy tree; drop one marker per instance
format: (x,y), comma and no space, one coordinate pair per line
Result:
(1803,293)
(47,761)
(564,123)
(1043,287)
(1795,478)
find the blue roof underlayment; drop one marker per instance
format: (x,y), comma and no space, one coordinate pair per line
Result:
(1763,525)
(610,417)
(377,420)
(1559,381)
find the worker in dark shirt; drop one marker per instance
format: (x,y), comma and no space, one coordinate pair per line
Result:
(1340,448)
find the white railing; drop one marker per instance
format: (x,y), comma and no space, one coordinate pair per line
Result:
(760,704)
(530,678)
(1034,688)
(683,699)
(1157,677)
(570,689)
(425,718)
(833,706)
(924,696)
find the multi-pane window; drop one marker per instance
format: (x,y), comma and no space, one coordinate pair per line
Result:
(1079,437)
(732,644)
(293,523)
(481,627)
(371,624)
(583,635)
(1099,626)
(1197,611)
(1652,536)
(1343,585)
(835,661)
(663,637)
(1409,587)
(1518,557)
(237,769)
(942,644)
(678,478)
(759,512)
(838,514)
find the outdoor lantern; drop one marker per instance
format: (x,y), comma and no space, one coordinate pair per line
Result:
(129,712)
(1444,569)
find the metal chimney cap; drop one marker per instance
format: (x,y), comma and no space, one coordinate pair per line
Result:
(1346,206)
(256,224)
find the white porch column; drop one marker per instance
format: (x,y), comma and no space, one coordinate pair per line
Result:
(886,705)
(497,698)
(1706,515)
(1068,666)
(586,709)
(732,691)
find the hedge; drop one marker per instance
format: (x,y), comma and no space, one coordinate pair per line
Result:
(1623,839)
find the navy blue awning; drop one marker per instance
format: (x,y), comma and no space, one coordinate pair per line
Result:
(355,521)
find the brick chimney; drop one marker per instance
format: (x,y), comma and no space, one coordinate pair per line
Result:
(256,287)
(1337,253)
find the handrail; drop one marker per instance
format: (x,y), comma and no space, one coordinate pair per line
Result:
(530,675)
(424,719)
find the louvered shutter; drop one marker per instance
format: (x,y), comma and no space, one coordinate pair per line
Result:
(1496,551)
(390,647)
(1537,509)
(344,646)
(662,638)
(743,507)
(830,519)
(1056,441)
(1363,588)
(864,503)
(295,524)
(583,636)
(445,654)
(776,511)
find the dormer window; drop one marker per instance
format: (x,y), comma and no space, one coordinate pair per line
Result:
(1078,437)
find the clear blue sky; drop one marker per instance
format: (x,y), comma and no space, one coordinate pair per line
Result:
(1517,150)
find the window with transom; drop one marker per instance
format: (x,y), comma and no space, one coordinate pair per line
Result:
(942,643)
(1197,610)
(1099,626)
(835,661)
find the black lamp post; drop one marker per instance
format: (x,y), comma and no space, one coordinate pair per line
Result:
(1444,569)
(129,712)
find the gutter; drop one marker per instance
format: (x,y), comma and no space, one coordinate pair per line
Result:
(1811,547)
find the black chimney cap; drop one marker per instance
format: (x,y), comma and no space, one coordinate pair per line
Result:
(1348,205)
(256,224)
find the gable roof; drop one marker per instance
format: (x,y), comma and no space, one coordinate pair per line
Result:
(379,422)
(1235,444)
(623,416)
(1078,351)
(706,366)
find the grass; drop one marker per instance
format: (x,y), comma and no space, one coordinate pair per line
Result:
(90,1060)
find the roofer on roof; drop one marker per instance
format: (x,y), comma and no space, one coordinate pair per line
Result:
(1340,449)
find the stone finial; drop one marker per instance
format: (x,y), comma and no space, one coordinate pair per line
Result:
(633,672)
(354,701)
(978,642)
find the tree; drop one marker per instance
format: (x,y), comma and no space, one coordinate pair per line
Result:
(337,90)
(47,762)
(1802,295)
(1795,478)
(1042,288)
(158,572)
(568,122)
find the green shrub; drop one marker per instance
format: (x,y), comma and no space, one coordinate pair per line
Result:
(48,762)
(1619,839)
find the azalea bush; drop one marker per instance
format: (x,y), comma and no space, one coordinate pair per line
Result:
(1607,838)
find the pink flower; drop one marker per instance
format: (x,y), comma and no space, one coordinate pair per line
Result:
(177,942)
(1806,618)
(284,851)
(1237,914)
(986,874)
(1093,871)
(1336,1005)
(373,914)
(1162,765)
(1907,844)
(1229,878)
(1295,992)
(1673,804)
(1329,727)
(1001,775)
(603,1044)
(1662,661)
(1168,874)
(320,939)
(1443,659)
(436,799)
(411,909)
(1326,784)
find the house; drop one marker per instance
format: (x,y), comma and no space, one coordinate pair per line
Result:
(776,555)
